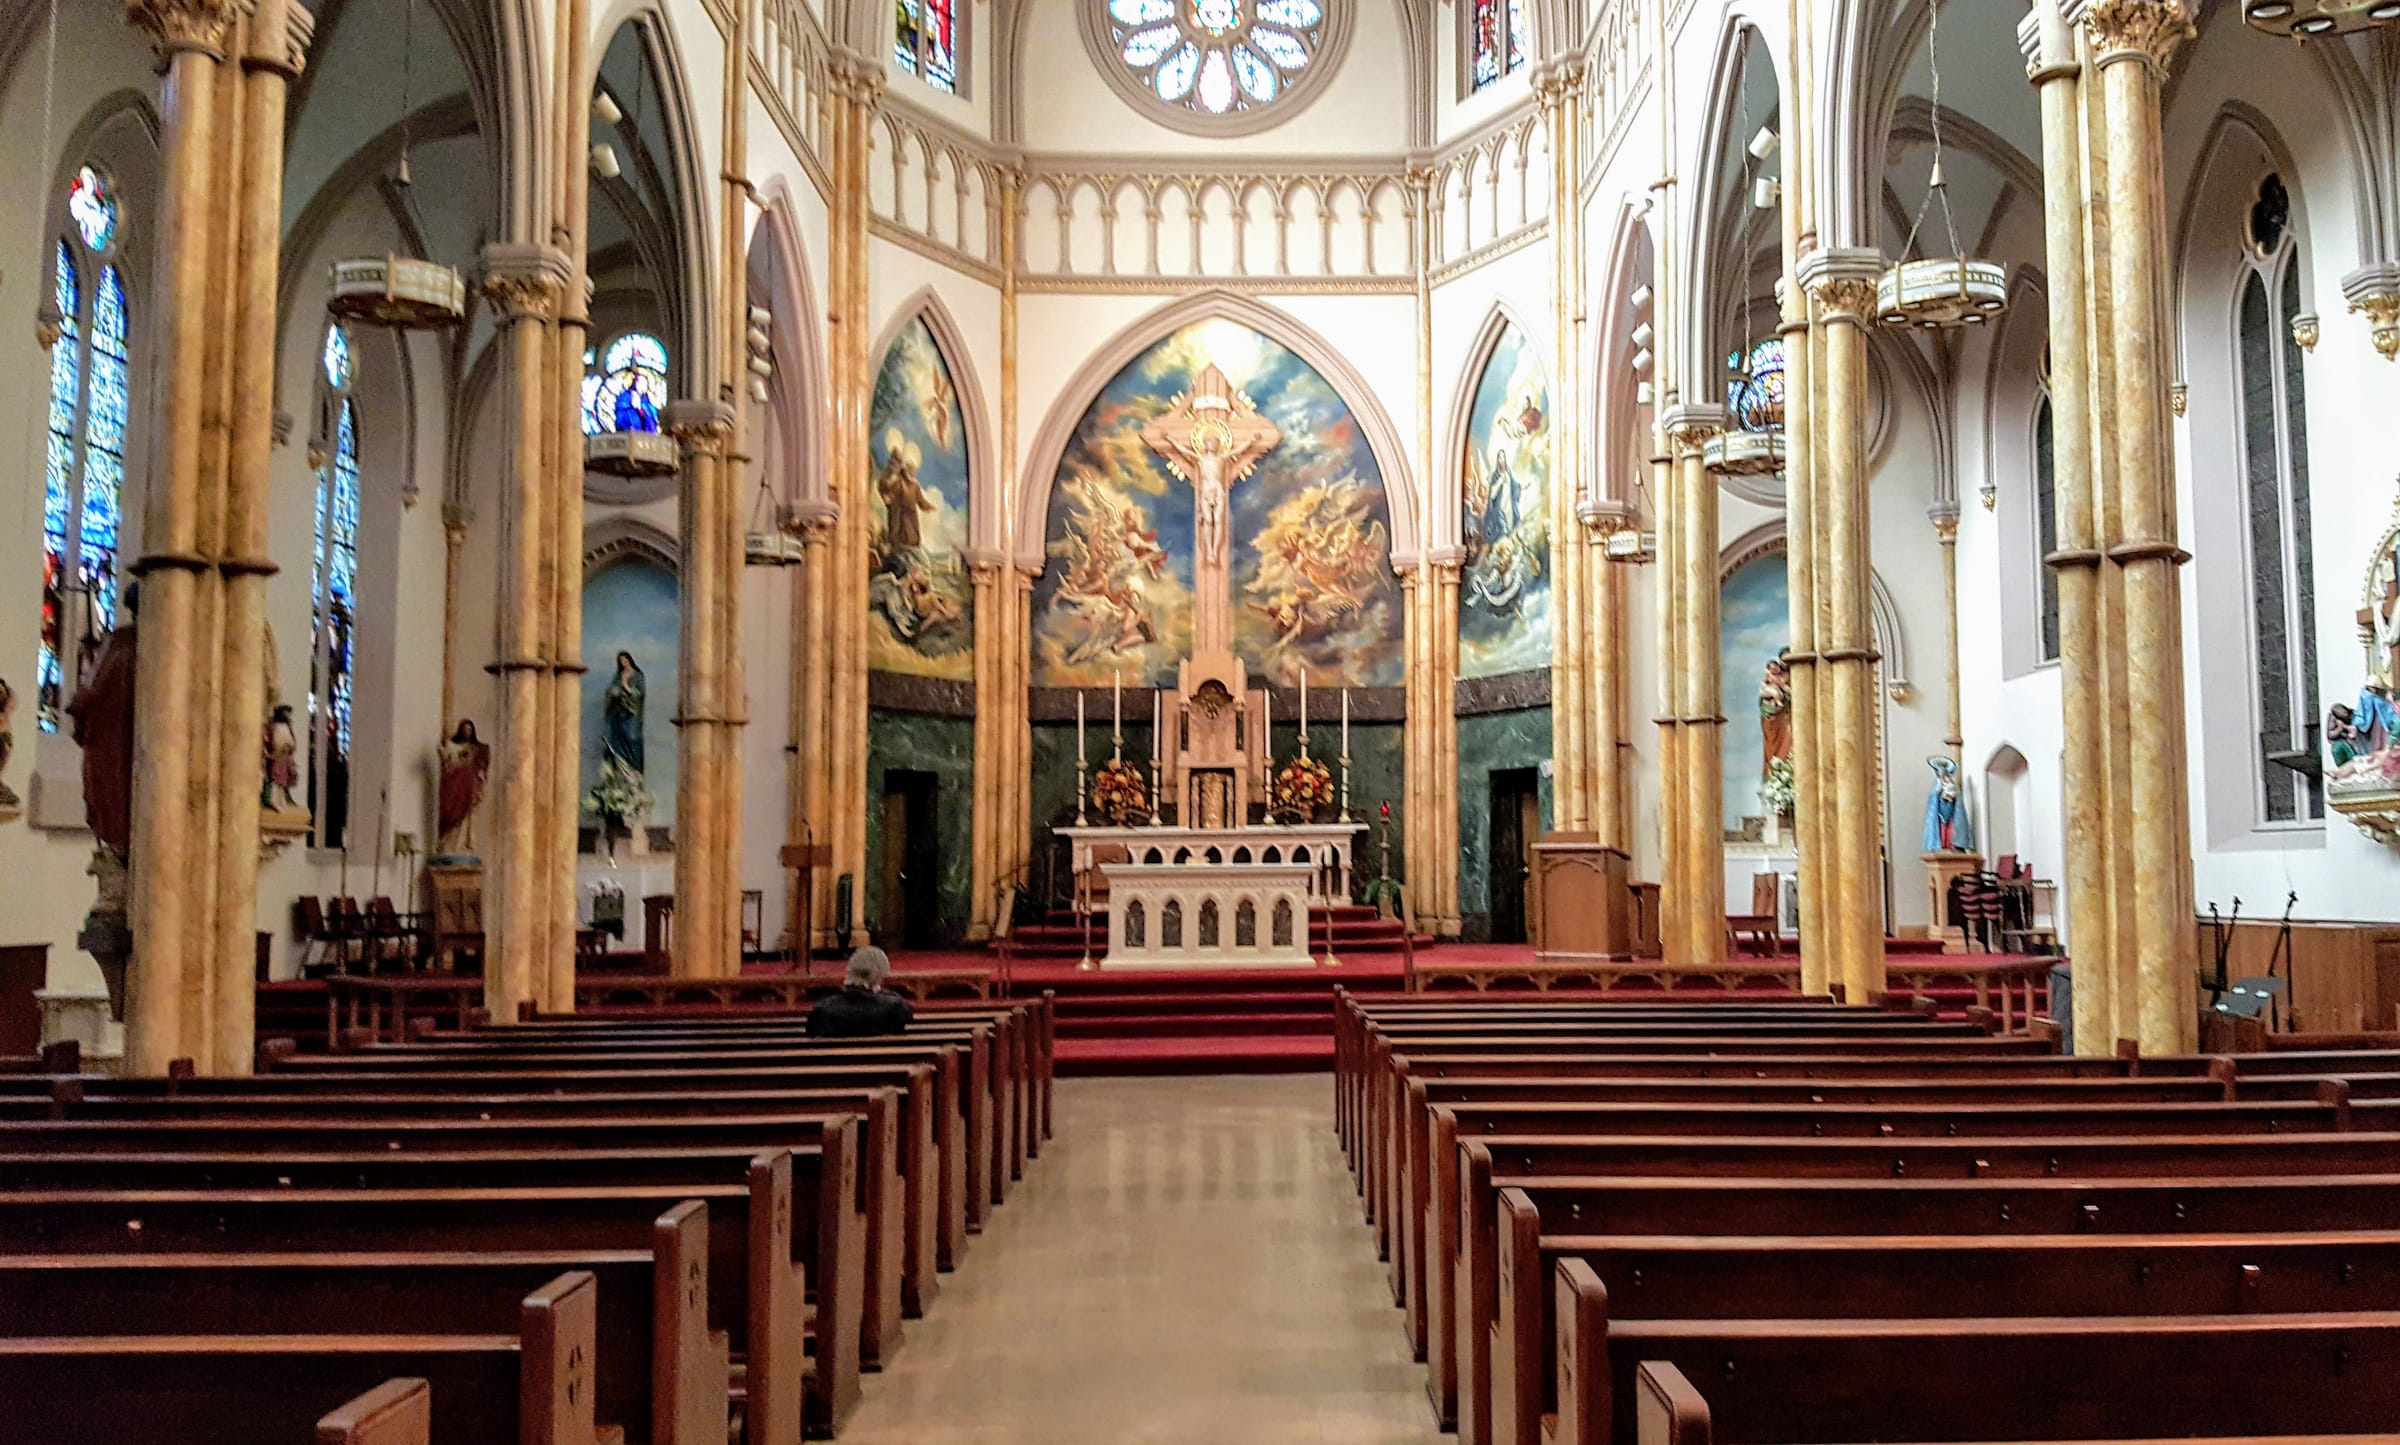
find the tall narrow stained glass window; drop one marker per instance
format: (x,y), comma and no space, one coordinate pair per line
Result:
(1497,41)
(2274,426)
(2045,522)
(925,41)
(629,387)
(333,599)
(83,483)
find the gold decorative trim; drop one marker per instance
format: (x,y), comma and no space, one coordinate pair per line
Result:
(884,229)
(1488,252)
(2150,29)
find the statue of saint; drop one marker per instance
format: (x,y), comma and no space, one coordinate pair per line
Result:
(1947,829)
(279,761)
(1775,712)
(466,761)
(621,716)
(103,714)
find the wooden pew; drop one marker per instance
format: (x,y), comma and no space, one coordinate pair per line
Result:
(396,1412)
(838,1235)
(1886,1276)
(660,1373)
(591,1147)
(534,1386)
(2064,1379)
(757,1292)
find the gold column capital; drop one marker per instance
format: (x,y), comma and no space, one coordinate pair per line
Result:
(525,282)
(699,427)
(1945,530)
(2138,30)
(1690,428)
(2374,292)
(178,25)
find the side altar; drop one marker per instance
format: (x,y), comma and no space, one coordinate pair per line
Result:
(1201,885)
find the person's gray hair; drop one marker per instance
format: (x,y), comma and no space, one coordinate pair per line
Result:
(869,967)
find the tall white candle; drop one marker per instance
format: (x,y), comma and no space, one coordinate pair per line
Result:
(1116,702)
(1158,727)
(1266,731)
(1304,704)
(1345,722)
(1079,754)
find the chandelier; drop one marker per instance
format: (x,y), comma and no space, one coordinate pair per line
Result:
(403,293)
(2308,19)
(1938,294)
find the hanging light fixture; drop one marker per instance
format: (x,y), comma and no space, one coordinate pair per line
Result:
(404,293)
(2310,19)
(1939,293)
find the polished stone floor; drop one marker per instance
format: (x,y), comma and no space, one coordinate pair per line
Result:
(1186,1263)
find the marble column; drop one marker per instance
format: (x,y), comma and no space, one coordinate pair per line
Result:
(1812,787)
(985,869)
(552,975)
(1700,788)
(1666,490)
(525,284)
(456,519)
(705,886)
(857,93)
(1843,283)
(803,822)
(1558,90)
(1443,778)
(2130,42)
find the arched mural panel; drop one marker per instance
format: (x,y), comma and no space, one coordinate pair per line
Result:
(1311,572)
(919,595)
(1754,634)
(1504,595)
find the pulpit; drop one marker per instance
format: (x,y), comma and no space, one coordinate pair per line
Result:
(1583,900)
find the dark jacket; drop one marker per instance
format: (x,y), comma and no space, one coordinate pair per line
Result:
(858,1013)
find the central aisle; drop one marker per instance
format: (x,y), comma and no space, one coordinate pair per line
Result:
(1187,1263)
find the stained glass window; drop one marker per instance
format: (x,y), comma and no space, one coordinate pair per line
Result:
(629,389)
(1496,40)
(83,477)
(333,597)
(2273,410)
(925,41)
(2045,522)
(1216,57)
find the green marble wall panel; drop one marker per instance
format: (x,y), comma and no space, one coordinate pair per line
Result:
(945,747)
(1492,743)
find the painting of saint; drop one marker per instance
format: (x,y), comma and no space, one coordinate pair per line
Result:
(1504,605)
(918,590)
(1307,532)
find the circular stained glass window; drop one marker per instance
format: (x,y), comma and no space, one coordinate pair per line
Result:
(92,204)
(1215,62)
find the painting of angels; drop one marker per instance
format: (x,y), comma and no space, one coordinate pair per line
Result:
(1504,603)
(919,595)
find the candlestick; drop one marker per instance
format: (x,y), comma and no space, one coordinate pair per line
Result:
(1345,782)
(1158,752)
(1116,717)
(1082,772)
(1079,729)
(1345,722)
(1304,707)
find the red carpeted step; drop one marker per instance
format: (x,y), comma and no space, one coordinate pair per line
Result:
(1088,1057)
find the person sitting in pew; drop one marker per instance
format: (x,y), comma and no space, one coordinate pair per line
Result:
(864,1008)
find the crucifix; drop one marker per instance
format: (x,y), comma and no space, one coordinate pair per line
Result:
(1211,437)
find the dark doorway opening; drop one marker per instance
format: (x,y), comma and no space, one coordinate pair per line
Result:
(908,910)
(1516,822)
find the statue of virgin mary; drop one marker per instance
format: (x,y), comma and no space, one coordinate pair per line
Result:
(621,716)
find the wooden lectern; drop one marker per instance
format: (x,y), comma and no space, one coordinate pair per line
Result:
(804,859)
(1583,900)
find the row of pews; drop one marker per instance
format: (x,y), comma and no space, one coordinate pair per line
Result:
(678,1231)
(1782,1222)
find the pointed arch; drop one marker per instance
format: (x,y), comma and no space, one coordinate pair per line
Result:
(686,273)
(1621,426)
(1498,321)
(1698,374)
(1883,609)
(1032,508)
(926,305)
(779,269)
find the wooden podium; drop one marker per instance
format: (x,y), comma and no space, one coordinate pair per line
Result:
(1583,903)
(804,859)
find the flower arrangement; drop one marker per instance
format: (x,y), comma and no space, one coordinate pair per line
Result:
(1778,790)
(1118,792)
(617,800)
(1303,786)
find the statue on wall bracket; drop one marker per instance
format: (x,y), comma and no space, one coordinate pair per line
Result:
(2362,738)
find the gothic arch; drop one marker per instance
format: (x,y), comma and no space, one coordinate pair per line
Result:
(1768,538)
(1697,374)
(926,305)
(1620,432)
(684,273)
(1498,321)
(624,537)
(1032,508)
(779,269)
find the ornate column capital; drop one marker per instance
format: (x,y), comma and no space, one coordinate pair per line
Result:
(1945,525)
(2146,30)
(525,282)
(1444,564)
(2049,49)
(285,55)
(1842,279)
(2374,292)
(1690,426)
(814,519)
(178,25)
(699,427)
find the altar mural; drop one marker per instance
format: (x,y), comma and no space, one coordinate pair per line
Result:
(1504,609)
(1307,532)
(920,598)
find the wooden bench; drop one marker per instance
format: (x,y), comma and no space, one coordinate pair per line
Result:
(396,1412)
(2116,1381)
(660,1373)
(534,1386)
(757,1291)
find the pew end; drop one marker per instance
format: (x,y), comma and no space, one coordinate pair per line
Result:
(1667,1410)
(560,1336)
(1586,1405)
(396,1412)
(691,1365)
